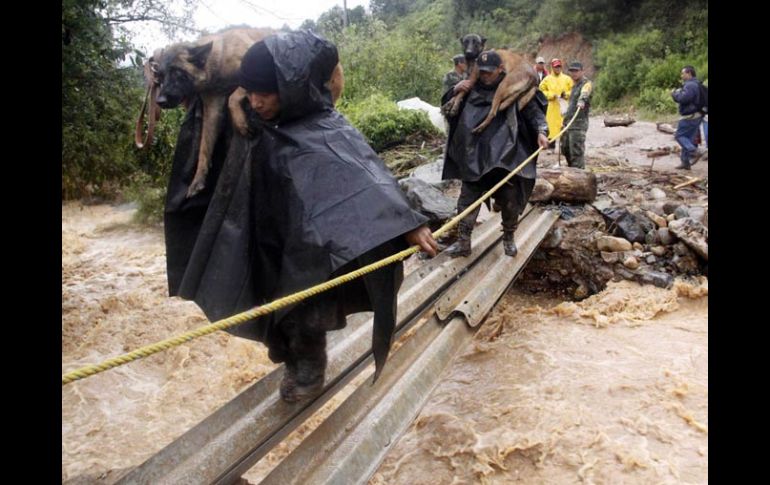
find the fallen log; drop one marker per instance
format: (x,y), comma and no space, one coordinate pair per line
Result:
(565,184)
(660,152)
(689,182)
(625,120)
(665,128)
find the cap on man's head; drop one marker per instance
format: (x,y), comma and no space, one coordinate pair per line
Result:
(555,62)
(575,66)
(459,59)
(488,61)
(540,60)
(257,72)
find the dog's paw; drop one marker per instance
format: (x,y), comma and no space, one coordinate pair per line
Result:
(480,128)
(195,187)
(242,126)
(445,109)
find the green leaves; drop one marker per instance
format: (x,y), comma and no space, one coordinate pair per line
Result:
(101,99)
(383,124)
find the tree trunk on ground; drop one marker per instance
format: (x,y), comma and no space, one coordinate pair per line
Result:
(564,184)
(618,121)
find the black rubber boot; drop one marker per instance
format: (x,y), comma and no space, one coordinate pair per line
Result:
(509,245)
(306,356)
(303,380)
(461,247)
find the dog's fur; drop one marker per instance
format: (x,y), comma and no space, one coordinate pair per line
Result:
(519,83)
(209,68)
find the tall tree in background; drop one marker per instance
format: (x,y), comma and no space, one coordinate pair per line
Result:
(390,10)
(99,96)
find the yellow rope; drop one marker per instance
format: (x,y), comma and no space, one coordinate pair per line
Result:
(243,317)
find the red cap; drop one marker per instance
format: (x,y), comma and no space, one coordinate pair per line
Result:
(555,62)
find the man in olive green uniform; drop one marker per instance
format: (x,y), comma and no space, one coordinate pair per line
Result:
(573,141)
(457,74)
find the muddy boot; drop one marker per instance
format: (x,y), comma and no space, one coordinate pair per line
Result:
(306,352)
(303,380)
(509,245)
(699,153)
(289,383)
(462,247)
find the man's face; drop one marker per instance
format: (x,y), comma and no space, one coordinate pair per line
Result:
(686,76)
(575,74)
(541,66)
(489,77)
(462,67)
(267,105)
(557,69)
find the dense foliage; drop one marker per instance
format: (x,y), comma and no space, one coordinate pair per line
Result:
(102,94)
(383,124)
(394,50)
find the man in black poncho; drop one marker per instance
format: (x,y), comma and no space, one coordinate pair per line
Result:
(303,200)
(482,160)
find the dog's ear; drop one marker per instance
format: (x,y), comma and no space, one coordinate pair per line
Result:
(461,39)
(199,54)
(483,41)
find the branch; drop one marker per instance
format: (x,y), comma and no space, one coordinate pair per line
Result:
(150,18)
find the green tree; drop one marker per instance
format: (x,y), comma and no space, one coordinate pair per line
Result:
(100,96)
(389,11)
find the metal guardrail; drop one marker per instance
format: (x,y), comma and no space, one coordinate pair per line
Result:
(230,441)
(351,443)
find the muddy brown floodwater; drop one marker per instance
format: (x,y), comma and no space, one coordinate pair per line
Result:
(613,389)
(115,299)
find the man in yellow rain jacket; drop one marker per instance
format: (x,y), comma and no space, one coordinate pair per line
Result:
(555,85)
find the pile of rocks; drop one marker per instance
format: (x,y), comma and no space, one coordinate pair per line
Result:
(649,239)
(637,226)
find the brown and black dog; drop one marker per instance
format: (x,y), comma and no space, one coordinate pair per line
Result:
(209,68)
(519,83)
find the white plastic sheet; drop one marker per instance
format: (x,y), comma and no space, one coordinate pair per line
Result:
(434,112)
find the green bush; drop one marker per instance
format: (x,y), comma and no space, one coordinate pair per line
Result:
(624,60)
(147,185)
(643,68)
(399,66)
(149,197)
(657,100)
(383,124)
(155,160)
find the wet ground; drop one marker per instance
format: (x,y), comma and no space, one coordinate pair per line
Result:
(629,145)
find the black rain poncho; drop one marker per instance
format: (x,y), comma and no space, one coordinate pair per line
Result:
(469,156)
(304,200)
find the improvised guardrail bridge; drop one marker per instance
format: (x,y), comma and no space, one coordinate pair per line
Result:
(440,305)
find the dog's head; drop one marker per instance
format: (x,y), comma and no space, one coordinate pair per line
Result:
(178,70)
(473,45)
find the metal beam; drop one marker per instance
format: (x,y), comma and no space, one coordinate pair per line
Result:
(351,443)
(230,441)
